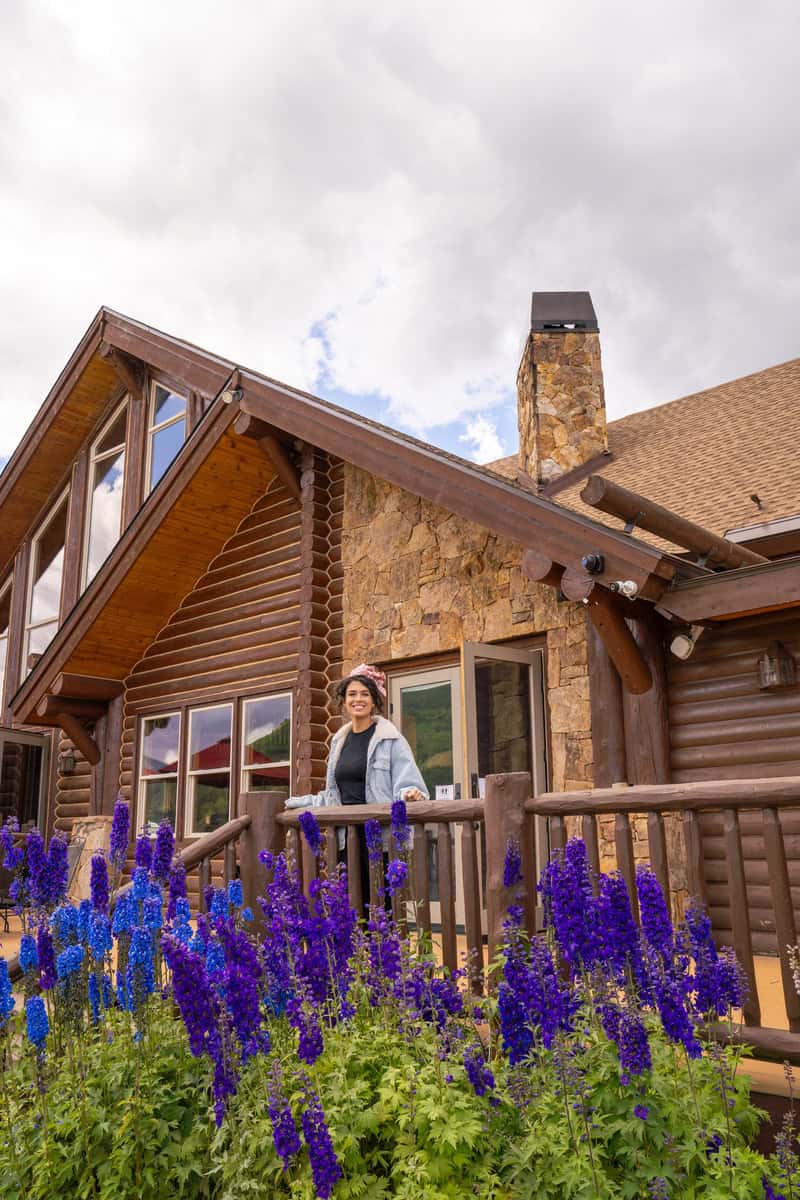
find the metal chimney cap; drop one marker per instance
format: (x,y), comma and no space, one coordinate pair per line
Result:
(563,311)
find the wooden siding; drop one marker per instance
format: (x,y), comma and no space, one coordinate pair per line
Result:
(74,791)
(722,726)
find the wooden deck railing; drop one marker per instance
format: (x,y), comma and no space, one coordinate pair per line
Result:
(728,799)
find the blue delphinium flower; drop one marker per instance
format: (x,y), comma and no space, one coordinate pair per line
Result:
(309,827)
(140,975)
(124,914)
(36,1021)
(235,893)
(120,832)
(396,875)
(47,958)
(374,840)
(94,998)
(657,1188)
(28,953)
(84,919)
(163,852)
(100,940)
(325,1169)
(219,906)
(65,923)
(6,994)
(656,923)
(57,873)
(512,865)
(12,853)
(98,883)
(144,851)
(478,1072)
(141,884)
(401,831)
(284,1131)
(69,961)
(215,958)
(152,916)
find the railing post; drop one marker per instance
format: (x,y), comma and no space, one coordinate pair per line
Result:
(264,833)
(504,815)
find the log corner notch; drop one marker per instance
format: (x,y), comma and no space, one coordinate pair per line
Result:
(128,370)
(605,612)
(249,426)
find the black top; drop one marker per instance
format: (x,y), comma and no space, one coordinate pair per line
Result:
(351,767)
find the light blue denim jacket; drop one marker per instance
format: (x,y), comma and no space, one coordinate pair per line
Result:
(391,771)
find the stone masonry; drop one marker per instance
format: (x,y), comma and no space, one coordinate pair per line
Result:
(419,580)
(561,409)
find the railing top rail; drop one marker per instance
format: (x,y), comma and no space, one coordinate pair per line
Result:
(203,847)
(783,792)
(421,812)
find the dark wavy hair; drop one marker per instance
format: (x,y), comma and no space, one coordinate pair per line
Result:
(340,690)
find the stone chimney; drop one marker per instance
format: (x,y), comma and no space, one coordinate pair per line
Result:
(561,409)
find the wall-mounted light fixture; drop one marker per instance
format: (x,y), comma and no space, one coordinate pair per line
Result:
(66,762)
(776,667)
(683,644)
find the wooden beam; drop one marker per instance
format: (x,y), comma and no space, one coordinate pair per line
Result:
(540,569)
(85,687)
(605,703)
(79,737)
(647,714)
(611,498)
(55,706)
(762,588)
(607,617)
(128,370)
(73,547)
(578,584)
(249,426)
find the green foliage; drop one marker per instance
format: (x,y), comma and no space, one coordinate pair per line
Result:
(117,1120)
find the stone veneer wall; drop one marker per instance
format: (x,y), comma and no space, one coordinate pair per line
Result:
(419,580)
(561,409)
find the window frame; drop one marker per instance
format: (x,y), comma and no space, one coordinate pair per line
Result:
(245,770)
(29,625)
(95,458)
(142,780)
(153,429)
(188,774)
(6,588)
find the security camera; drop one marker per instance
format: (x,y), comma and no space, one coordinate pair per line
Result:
(624,587)
(683,644)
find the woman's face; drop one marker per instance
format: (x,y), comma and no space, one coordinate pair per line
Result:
(357,701)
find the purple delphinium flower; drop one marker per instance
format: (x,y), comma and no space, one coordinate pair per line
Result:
(401,831)
(325,1169)
(769,1191)
(120,832)
(656,923)
(305,1019)
(163,852)
(657,1188)
(478,1072)
(641,1111)
(309,827)
(396,875)
(144,852)
(47,958)
(570,906)
(677,1024)
(532,1004)
(28,953)
(177,887)
(36,1021)
(512,866)
(98,883)
(12,854)
(618,931)
(241,978)
(57,873)
(374,839)
(284,1131)
(6,994)
(384,952)
(36,865)
(633,1046)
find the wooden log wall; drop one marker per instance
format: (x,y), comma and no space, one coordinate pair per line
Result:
(723,726)
(73,791)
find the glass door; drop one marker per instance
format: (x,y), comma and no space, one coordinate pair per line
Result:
(426,708)
(505,724)
(23,772)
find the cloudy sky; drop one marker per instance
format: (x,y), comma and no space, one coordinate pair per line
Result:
(359,198)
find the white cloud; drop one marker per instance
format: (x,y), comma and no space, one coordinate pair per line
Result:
(235,174)
(486,445)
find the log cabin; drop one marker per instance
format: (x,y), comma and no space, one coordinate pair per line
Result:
(192,553)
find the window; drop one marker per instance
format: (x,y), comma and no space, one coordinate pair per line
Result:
(208,783)
(167,431)
(5,621)
(106,476)
(267,744)
(158,770)
(44,594)
(23,776)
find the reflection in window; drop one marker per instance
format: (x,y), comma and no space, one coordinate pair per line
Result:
(267,744)
(47,567)
(158,773)
(23,760)
(106,475)
(167,431)
(209,770)
(5,621)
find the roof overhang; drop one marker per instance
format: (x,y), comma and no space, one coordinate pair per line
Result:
(737,593)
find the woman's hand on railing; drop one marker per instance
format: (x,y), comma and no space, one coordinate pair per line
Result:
(414,794)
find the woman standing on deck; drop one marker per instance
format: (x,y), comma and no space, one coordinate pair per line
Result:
(370,762)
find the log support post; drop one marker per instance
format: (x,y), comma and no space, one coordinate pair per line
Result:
(79,736)
(606,706)
(504,815)
(647,714)
(608,618)
(251,427)
(264,833)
